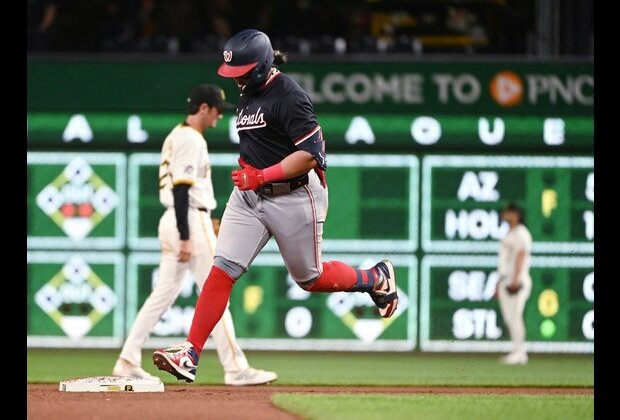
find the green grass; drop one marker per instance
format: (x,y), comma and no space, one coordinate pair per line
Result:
(337,368)
(439,407)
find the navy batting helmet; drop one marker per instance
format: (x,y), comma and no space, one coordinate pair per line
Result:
(248,50)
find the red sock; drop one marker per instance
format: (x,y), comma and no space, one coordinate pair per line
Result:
(340,277)
(210,306)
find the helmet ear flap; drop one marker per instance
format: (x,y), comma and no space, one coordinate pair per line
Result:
(257,72)
(258,75)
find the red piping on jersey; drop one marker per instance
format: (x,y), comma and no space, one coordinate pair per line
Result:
(307,135)
(273,76)
(319,267)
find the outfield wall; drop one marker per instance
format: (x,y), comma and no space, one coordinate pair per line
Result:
(421,156)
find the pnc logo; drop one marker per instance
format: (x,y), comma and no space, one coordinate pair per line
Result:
(227,56)
(506,88)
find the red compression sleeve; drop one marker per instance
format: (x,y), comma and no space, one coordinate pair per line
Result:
(210,306)
(340,277)
(274,172)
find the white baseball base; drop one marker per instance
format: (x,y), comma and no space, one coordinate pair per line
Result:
(111,384)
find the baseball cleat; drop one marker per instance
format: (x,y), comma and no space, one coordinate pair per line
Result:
(384,293)
(180,360)
(515,359)
(250,376)
(124,368)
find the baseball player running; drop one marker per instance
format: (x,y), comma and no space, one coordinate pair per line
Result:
(515,283)
(280,191)
(187,239)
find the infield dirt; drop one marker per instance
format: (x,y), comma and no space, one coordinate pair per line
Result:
(216,402)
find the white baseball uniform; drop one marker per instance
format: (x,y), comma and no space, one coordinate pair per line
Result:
(184,160)
(512,305)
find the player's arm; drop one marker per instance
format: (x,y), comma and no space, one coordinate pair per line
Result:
(216,225)
(183,168)
(297,163)
(519,262)
(180,193)
(299,122)
(251,178)
(301,125)
(523,245)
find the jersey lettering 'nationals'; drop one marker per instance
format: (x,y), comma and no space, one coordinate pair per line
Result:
(249,122)
(277,121)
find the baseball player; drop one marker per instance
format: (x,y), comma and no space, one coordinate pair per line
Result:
(187,239)
(515,284)
(280,191)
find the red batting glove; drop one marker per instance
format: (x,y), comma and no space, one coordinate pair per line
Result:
(248,178)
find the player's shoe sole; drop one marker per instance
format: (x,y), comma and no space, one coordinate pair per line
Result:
(163,363)
(386,298)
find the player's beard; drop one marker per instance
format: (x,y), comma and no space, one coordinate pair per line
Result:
(242,81)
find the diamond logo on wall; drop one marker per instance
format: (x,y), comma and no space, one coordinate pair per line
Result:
(358,312)
(76,298)
(78,199)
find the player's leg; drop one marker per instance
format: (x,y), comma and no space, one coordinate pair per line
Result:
(507,305)
(229,353)
(518,322)
(296,221)
(512,312)
(236,367)
(163,295)
(237,370)
(242,235)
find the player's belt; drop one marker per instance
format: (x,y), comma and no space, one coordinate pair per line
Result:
(279,188)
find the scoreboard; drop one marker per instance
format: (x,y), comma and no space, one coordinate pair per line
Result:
(271,312)
(458,311)
(374,201)
(109,202)
(462,198)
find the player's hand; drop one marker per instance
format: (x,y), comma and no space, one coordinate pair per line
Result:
(513,288)
(216,226)
(242,162)
(248,178)
(186,250)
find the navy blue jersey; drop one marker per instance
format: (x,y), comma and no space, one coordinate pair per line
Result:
(277,121)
